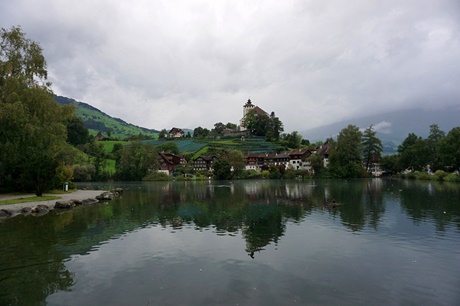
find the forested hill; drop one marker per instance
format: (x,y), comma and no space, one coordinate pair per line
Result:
(97,121)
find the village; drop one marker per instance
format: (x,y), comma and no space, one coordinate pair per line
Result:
(296,159)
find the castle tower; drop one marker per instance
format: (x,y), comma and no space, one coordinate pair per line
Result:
(247,107)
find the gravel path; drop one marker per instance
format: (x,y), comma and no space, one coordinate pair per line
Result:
(77,195)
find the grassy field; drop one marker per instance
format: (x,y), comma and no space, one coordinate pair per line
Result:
(108,145)
(28,199)
(250,145)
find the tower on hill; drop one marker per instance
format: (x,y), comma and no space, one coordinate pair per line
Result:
(248,107)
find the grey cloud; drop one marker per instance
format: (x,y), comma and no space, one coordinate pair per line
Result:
(312,62)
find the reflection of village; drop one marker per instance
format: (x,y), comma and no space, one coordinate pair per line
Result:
(260,209)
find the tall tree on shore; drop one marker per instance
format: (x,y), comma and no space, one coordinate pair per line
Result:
(346,161)
(33,132)
(371,146)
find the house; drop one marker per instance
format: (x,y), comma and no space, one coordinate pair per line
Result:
(176,133)
(254,161)
(204,163)
(323,151)
(167,161)
(298,159)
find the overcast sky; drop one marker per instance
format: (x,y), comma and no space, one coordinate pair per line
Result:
(188,63)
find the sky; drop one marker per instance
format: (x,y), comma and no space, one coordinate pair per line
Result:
(188,63)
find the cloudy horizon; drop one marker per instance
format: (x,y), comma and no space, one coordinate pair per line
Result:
(159,64)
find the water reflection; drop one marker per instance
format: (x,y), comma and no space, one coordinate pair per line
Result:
(35,250)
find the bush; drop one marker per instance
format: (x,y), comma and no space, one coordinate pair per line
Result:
(455,178)
(83,173)
(439,175)
(157,176)
(251,174)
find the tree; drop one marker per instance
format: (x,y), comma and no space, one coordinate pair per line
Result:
(136,161)
(77,133)
(237,161)
(256,124)
(275,128)
(260,124)
(219,127)
(168,146)
(449,149)
(413,152)
(222,170)
(346,161)
(371,146)
(291,140)
(163,134)
(432,143)
(231,126)
(32,133)
(200,132)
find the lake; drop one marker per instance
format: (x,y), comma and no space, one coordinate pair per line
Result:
(256,242)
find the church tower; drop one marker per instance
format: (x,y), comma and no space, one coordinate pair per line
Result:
(247,107)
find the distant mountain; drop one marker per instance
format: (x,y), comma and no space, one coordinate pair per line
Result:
(97,121)
(393,127)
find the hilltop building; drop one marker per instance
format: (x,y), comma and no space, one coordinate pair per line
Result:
(248,107)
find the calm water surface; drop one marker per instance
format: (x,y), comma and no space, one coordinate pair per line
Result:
(261,242)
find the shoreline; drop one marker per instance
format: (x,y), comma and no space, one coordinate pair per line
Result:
(77,195)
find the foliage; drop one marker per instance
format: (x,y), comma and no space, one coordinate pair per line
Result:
(371,147)
(449,149)
(291,140)
(263,125)
(412,152)
(157,176)
(345,161)
(237,162)
(453,177)
(163,134)
(168,146)
(77,133)
(136,161)
(390,164)
(200,132)
(33,132)
(432,141)
(222,168)
(83,173)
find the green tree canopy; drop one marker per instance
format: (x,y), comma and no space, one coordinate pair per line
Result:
(345,161)
(449,149)
(33,132)
(136,161)
(371,146)
(222,170)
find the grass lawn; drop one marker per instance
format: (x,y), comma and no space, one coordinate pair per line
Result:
(29,199)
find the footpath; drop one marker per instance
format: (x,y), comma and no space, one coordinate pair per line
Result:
(77,195)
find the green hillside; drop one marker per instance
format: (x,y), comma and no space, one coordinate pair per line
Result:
(97,121)
(250,145)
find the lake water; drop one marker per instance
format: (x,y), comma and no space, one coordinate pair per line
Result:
(260,242)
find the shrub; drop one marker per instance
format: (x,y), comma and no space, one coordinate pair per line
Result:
(439,175)
(455,178)
(157,176)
